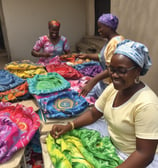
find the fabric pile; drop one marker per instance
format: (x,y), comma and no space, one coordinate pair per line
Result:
(25,68)
(18,125)
(12,88)
(82,148)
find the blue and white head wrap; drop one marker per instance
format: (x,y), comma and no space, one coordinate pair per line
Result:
(137,52)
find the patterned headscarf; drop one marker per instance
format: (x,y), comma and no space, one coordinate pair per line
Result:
(137,52)
(54,23)
(109,20)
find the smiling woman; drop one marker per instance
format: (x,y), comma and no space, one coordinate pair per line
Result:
(51,45)
(129,107)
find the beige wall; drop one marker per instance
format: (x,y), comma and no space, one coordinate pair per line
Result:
(25,21)
(138,21)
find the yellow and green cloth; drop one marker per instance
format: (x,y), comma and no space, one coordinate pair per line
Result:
(25,68)
(82,148)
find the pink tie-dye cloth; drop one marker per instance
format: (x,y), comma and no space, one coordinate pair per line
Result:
(18,125)
(77,85)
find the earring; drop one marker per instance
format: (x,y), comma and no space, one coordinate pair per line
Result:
(137,81)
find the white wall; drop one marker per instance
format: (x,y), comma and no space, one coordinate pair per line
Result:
(25,21)
(138,21)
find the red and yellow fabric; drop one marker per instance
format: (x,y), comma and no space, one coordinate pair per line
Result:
(13,94)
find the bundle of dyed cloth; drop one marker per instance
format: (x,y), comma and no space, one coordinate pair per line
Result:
(77,85)
(64,70)
(8,80)
(44,84)
(25,69)
(82,148)
(86,64)
(12,87)
(68,58)
(63,105)
(92,70)
(20,92)
(18,124)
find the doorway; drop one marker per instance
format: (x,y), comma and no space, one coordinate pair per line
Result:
(4,56)
(101,6)
(2,46)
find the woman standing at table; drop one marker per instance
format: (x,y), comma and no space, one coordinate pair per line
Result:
(51,45)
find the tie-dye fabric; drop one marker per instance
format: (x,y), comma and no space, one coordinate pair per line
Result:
(25,68)
(18,124)
(8,80)
(44,43)
(63,105)
(77,85)
(64,70)
(82,148)
(19,92)
(44,84)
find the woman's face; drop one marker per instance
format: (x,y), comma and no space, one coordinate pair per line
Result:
(54,32)
(123,72)
(103,30)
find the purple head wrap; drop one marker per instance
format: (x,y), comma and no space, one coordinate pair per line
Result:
(109,20)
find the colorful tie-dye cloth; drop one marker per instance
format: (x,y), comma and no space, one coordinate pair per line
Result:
(68,58)
(86,64)
(64,70)
(44,84)
(18,124)
(82,148)
(92,70)
(20,92)
(25,68)
(77,85)
(63,105)
(8,80)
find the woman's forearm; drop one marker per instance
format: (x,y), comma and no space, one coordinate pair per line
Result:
(93,57)
(136,160)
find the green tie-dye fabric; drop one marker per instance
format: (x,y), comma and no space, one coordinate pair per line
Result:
(82,148)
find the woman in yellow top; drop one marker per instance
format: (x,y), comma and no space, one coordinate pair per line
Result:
(107,25)
(129,106)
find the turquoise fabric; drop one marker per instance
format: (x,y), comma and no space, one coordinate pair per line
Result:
(49,83)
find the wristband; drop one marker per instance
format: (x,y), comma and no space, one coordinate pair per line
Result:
(72,124)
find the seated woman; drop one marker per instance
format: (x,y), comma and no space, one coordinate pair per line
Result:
(129,106)
(49,46)
(107,26)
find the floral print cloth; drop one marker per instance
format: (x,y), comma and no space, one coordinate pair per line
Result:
(44,43)
(18,124)
(25,68)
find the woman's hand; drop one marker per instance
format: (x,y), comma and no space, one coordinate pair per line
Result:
(82,56)
(45,55)
(58,130)
(39,54)
(86,89)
